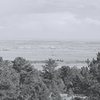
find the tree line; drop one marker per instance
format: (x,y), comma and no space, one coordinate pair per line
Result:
(19,80)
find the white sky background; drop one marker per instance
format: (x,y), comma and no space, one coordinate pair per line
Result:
(50,19)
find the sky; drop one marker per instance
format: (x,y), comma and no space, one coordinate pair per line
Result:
(50,19)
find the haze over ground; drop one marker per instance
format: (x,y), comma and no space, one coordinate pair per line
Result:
(50,19)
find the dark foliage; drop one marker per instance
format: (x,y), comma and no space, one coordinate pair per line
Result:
(19,80)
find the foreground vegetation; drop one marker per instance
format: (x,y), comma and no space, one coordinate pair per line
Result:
(19,80)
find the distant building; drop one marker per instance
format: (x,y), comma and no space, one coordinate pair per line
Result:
(65,97)
(54,96)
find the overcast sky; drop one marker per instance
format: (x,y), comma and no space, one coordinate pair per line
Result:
(50,19)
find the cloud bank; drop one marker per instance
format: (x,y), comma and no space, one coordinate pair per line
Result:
(50,19)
